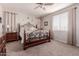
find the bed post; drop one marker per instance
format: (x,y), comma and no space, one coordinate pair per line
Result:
(24,40)
(18,32)
(49,36)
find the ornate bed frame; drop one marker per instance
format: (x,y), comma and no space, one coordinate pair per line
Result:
(29,43)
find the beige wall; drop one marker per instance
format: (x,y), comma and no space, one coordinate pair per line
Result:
(49,19)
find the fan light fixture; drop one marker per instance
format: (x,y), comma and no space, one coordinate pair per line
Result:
(43,5)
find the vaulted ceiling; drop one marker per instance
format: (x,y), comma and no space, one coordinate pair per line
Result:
(29,8)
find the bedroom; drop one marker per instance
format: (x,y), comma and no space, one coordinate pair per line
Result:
(19,19)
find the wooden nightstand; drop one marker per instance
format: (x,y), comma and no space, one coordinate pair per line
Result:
(11,36)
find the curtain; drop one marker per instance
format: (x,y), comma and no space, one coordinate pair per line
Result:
(60,22)
(60,26)
(72,27)
(10,21)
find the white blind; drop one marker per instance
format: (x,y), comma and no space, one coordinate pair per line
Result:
(60,22)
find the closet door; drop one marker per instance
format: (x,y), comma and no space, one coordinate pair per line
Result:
(60,27)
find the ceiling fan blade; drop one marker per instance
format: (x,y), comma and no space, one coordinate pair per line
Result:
(48,3)
(39,3)
(37,7)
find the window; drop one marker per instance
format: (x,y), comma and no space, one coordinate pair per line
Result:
(60,22)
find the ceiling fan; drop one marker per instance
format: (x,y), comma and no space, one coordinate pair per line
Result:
(43,5)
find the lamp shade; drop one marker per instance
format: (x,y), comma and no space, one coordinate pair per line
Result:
(8,26)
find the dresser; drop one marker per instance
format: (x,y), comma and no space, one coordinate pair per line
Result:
(11,36)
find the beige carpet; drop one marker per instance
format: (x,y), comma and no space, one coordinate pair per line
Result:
(52,48)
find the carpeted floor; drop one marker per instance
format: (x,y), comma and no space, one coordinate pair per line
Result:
(52,48)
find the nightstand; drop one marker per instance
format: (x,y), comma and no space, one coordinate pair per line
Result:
(11,36)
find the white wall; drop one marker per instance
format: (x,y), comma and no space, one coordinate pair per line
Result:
(1,15)
(22,19)
(77,26)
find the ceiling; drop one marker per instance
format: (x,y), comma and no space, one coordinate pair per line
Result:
(28,8)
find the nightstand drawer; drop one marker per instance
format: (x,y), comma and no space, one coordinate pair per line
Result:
(11,36)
